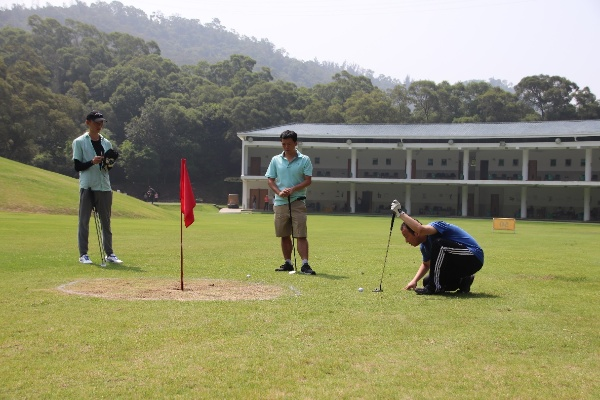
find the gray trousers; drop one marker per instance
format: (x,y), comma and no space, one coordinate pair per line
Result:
(103,203)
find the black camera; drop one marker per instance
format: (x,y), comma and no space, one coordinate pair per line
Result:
(109,159)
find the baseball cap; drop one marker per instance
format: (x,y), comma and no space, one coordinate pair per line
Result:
(95,116)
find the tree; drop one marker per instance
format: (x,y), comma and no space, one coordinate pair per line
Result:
(496,105)
(373,107)
(141,164)
(423,97)
(49,37)
(126,47)
(550,96)
(586,104)
(237,74)
(316,112)
(449,101)
(399,98)
(343,86)
(469,95)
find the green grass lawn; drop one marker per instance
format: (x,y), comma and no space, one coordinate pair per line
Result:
(528,330)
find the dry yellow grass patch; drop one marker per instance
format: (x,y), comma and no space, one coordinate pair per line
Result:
(168,289)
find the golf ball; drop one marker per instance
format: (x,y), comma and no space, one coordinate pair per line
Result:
(292,272)
(248,276)
(360,289)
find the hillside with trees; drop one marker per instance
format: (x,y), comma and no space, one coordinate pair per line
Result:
(52,74)
(187,41)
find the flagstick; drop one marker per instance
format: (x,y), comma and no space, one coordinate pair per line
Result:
(181,241)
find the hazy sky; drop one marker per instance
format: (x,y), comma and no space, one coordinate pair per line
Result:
(452,40)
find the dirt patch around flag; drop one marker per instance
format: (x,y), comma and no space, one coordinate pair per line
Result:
(168,289)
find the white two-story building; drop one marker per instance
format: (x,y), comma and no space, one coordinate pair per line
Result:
(535,170)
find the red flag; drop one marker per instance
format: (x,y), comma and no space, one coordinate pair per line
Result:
(186,196)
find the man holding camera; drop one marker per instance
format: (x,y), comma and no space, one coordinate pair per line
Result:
(93,157)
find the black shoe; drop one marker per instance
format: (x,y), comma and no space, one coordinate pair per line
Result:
(285,267)
(424,290)
(465,284)
(307,270)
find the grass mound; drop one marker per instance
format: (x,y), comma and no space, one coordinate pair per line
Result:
(27,189)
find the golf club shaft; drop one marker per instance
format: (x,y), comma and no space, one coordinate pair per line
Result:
(99,234)
(98,224)
(292,226)
(387,250)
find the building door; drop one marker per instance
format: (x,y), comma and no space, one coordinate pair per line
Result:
(495,205)
(366,201)
(255,166)
(471,205)
(532,173)
(483,170)
(257,196)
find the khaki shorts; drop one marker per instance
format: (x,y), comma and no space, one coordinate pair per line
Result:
(283,227)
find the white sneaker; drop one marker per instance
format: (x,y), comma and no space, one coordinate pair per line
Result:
(113,259)
(85,259)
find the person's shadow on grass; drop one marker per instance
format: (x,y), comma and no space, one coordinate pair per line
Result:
(119,267)
(470,295)
(332,277)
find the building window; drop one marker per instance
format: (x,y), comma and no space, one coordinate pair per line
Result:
(375,161)
(515,162)
(317,160)
(501,162)
(473,163)
(444,162)
(430,161)
(583,162)
(568,162)
(388,161)
(553,162)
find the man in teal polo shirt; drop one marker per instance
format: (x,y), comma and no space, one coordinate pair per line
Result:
(89,158)
(289,174)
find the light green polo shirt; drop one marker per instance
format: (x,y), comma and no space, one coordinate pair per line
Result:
(289,173)
(94,177)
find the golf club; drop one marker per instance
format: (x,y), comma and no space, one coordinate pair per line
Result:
(380,289)
(98,230)
(292,226)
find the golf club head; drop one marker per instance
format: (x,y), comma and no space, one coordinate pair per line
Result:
(103,265)
(378,290)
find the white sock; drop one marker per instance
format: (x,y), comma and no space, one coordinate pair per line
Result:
(304,262)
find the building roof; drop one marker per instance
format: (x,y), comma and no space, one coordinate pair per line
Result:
(506,130)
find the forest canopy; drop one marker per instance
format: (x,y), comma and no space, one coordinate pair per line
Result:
(158,112)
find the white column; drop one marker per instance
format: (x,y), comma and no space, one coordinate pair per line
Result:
(466,163)
(465,200)
(525,166)
(588,164)
(245,193)
(244,158)
(586,203)
(352,199)
(524,202)
(407,202)
(408,164)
